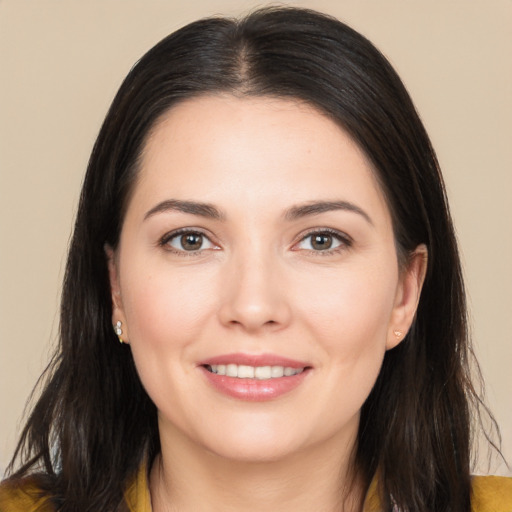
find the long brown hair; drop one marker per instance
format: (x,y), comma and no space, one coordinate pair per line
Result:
(94,424)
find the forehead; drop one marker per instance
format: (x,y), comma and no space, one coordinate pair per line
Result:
(222,148)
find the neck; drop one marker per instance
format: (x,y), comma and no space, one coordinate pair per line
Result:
(187,478)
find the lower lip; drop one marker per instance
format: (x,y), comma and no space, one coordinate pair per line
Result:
(254,390)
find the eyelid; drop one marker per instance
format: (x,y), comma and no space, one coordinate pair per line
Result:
(346,240)
(165,239)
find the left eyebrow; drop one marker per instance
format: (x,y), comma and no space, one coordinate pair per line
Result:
(192,207)
(315,208)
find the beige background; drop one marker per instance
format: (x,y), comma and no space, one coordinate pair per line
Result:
(62,61)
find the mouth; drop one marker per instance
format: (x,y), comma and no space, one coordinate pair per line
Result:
(254,377)
(242,371)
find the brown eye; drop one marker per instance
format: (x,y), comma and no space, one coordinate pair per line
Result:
(321,242)
(188,241)
(191,241)
(324,241)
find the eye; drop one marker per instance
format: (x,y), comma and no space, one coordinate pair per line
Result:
(323,241)
(187,241)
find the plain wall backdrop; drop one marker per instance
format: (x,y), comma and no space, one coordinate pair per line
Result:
(61,63)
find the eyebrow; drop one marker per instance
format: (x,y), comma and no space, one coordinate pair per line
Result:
(318,207)
(209,211)
(195,208)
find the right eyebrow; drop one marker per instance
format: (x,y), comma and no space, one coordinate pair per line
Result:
(318,207)
(193,207)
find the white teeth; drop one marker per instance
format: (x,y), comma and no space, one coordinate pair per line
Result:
(243,371)
(262,372)
(231,370)
(277,371)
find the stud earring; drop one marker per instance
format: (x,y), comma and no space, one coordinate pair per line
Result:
(118,330)
(398,334)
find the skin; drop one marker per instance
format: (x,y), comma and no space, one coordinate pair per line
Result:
(258,286)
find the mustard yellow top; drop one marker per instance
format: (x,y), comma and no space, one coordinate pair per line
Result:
(490,494)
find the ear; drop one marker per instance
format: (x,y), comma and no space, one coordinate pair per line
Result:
(407,296)
(115,292)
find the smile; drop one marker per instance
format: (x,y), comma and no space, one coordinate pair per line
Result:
(254,377)
(242,371)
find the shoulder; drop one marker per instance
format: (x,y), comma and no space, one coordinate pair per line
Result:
(491,494)
(23,496)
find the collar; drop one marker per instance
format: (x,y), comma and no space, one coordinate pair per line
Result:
(137,495)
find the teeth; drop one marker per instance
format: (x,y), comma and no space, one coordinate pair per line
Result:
(288,372)
(277,371)
(231,370)
(243,371)
(262,372)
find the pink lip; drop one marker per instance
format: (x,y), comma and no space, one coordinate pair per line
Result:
(254,390)
(255,360)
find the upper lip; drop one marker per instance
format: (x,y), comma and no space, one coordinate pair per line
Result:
(254,360)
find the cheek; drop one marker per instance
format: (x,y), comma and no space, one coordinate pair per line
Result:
(349,322)
(348,311)
(166,311)
(164,307)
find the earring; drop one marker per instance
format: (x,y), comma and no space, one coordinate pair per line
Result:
(398,334)
(118,330)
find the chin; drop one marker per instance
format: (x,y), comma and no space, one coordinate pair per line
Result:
(256,444)
(254,452)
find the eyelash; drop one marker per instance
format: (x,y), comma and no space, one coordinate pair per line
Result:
(164,241)
(345,241)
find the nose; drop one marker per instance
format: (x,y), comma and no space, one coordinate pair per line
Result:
(254,295)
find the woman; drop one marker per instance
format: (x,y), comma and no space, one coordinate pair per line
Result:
(264,225)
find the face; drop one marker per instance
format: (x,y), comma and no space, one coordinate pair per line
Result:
(257,278)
